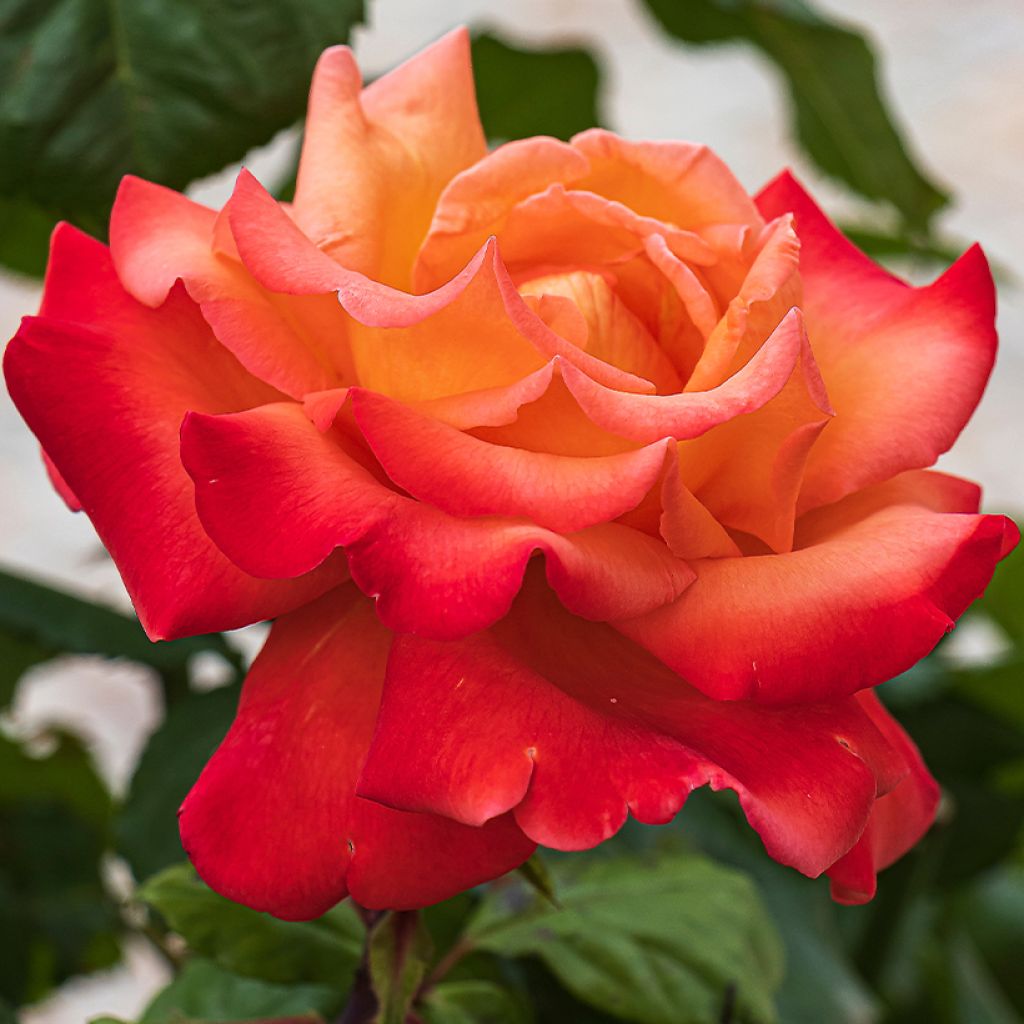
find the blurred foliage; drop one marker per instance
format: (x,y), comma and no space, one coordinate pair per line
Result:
(147,825)
(840,117)
(170,90)
(534,92)
(56,919)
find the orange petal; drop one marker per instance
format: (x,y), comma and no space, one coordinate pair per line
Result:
(770,289)
(676,182)
(476,202)
(374,162)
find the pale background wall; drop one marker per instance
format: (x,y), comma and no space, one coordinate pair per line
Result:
(955,74)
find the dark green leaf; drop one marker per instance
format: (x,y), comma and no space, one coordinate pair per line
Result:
(966,749)
(820,982)
(400,950)
(55,917)
(993,914)
(24,236)
(841,119)
(168,89)
(1004,597)
(147,825)
(668,941)
(257,945)
(534,92)
(59,623)
(536,872)
(17,655)
(472,1002)
(204,993)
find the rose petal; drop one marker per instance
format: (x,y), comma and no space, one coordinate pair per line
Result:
(279,496)
(676,182)
(476,202)
(281,258)
(872,586)
(647,418)
(104,382)
(274,822)
(375,161)
(158,236)
(898,820)
(610,331)
(465,476)
(571,726)
(769,291)
(905,367)
(748,471)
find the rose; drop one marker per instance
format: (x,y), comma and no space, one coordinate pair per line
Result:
(709,416)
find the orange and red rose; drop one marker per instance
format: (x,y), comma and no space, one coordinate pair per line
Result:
(574,478)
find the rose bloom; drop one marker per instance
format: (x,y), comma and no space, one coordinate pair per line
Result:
(573,477)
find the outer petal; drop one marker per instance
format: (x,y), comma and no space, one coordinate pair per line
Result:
(274,822)
(278,495)
(874,583)
(465,476)
(374,162)
(158,236)
(571,725)
(104,383)
(899,819)
(905,367)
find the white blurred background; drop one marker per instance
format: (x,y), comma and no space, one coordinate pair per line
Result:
(954,73)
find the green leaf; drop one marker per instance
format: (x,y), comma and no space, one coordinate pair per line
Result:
(25,236)
(256,945)
(534,92)
(1004,596)
(56,919)
(840,117)
(820,982)
(17,656)
(662,942)
(400,949)
(204,993)
(472,1002)
(59,623)
(536,872)
(171,90)
(146,829)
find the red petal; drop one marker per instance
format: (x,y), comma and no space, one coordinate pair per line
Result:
(874,583)
(465,476)
(571,725)
(158,236)
(274,822)
(279,496)
(899,819)
(104,383)
(904,367)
